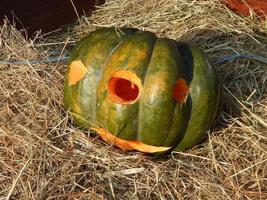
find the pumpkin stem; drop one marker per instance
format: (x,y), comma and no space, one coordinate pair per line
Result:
(124,87)
(180,91)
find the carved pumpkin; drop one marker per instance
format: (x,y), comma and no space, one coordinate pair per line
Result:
(140,92)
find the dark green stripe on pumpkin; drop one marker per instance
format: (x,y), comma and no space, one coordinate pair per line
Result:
(181,116)
(133,55)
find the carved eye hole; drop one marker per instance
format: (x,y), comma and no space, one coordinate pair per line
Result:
(180,91)
(124,87)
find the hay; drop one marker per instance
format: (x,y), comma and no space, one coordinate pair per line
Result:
(43,156)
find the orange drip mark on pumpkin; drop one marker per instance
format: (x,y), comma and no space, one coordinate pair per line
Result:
(180,91)
(77,71)
(128,145)
(124,87)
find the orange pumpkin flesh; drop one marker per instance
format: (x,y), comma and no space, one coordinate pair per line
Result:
(180,91)
(124,87)
(77,71)
(128,145)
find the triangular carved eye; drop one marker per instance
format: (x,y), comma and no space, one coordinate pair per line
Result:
(124,87)
(180,91)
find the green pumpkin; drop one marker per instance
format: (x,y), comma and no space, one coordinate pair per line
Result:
(141,92)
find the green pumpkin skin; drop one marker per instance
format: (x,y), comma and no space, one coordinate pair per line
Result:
(148,120)
(155,118)
(205,95)
(80,99)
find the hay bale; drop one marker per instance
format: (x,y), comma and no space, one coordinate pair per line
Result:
(43,156)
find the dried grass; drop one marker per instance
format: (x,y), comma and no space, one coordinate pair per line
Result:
(43,156)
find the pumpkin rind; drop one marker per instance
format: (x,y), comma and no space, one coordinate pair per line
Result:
(93,51)
(178,91)
(205,95)
(133,55)
(129,144)
(158,109)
